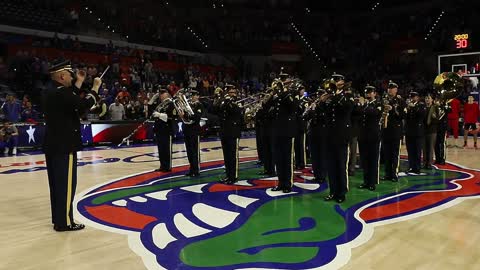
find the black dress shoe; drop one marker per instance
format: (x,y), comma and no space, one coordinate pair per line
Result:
(73,227)
(371,188)
(190,174)
(329,198)
(341,199)
(277,188)
(319,181)
(224,180)
(363,186)
(287,189)
(231,181)
(439,162)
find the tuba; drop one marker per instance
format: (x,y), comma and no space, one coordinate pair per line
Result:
(182,106)
(448,86)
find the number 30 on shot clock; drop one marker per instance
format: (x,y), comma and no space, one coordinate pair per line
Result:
(461,41)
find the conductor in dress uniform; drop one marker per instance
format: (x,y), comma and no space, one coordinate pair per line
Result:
(191,132)
(231,121)
(370,112)
(415,132)
(63,107)
(164,128)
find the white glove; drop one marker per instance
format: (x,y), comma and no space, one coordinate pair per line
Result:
(163,117)
(156,114)
(203,123)
(152,100)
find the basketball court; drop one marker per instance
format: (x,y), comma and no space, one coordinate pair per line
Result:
(140,219)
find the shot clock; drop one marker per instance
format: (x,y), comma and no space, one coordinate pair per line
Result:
(462,41)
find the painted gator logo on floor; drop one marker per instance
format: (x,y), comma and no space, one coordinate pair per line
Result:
(174,222)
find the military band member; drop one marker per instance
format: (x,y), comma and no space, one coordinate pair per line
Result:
(231,117)
(284,129)
(164,129)
(414,132)
(63,107)
(316,115)
(440,144)
(353,143)
(191,132)
(267,139)
(371,112)
(393,132)
(339,110)
(259,130)
(301,136)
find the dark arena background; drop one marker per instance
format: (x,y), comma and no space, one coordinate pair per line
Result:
(239,134)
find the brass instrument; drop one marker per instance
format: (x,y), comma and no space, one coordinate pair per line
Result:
(385,113)
(182,106)
(448,86)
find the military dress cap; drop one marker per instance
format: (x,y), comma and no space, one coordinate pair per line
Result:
(282,72)
(60,66)
(338,77)
(392,84)
(369,89)
(194,92)
(414,94)
(230,87)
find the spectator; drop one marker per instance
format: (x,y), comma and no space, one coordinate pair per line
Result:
(29,114)
(9,138)
(12,109)
(123,95)
(116,111)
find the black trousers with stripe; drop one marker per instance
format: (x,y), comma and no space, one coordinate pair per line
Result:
(337,168)
(193,152)
(300,155)
(370,158)
(283,156)
(62,180)
(268,162)
(164,145)
(440,152)
(230,155)
(391,154)
(414,149)
(318,148)
(259,130)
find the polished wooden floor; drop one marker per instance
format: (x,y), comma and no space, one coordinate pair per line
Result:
(448,239)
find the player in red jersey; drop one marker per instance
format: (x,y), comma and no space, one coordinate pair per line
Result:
(453,119)
(471,113)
